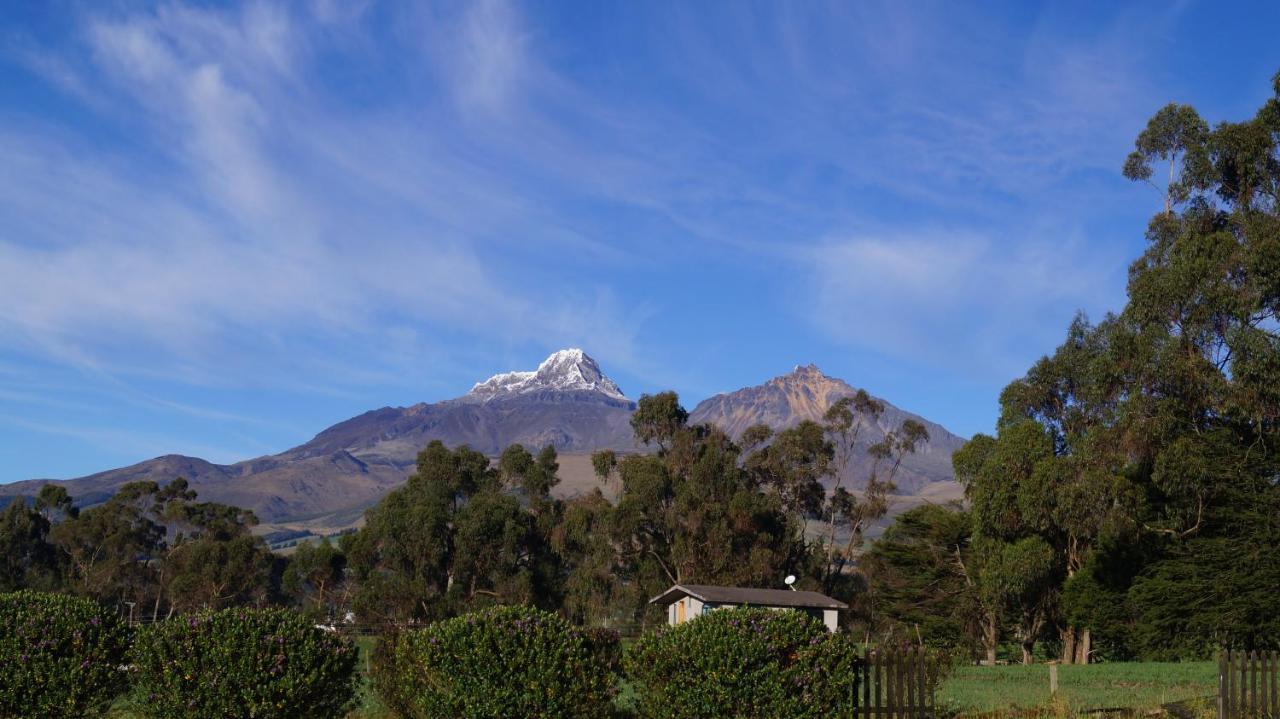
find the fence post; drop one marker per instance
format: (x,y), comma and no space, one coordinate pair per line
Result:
(1254,706)
(1224,659)
(879,680)
(866,685)
(924,682)
(910,676)
(1275,697)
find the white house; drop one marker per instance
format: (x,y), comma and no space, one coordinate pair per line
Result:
(686,601)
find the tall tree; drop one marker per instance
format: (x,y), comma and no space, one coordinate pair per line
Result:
(110,548)
(696,511)
(314,580)
(1160,423)
(27,559)
(920,582)
(457,536)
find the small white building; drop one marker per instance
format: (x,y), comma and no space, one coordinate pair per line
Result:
(686,601)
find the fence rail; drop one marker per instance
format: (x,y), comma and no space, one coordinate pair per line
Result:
(896,684)
(1247,685)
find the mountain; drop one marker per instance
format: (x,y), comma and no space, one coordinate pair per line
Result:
(806,393)
(567,402)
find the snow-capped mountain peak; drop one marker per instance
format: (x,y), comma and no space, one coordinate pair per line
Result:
(566,370)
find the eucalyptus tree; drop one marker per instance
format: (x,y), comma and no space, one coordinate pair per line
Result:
(1155,434)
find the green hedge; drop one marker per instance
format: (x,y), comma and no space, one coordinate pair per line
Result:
(259,663)
(745,664)
(498,663)
(60,656)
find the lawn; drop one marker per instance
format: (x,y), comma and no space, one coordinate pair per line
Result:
(370,707)
(1096,686)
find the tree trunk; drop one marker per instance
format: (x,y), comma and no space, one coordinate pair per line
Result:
(990,640)
(1027,646)
(1068,645)
(1083,647)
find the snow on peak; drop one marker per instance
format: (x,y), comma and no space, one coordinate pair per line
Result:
(566,370)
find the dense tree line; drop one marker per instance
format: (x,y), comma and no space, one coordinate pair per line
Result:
(1128,503)
(468,531)
(152,548)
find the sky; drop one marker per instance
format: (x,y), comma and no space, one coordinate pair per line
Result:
(224,227)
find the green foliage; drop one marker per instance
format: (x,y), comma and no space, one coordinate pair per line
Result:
(208,573)
(745,664)
(658,418)
(157,547)
(496,663)
(1207,593)
(61,656)
(603,463)
(27,559)
(314,579)
(452,539)
(844,421)
(584,542)
(109,545)
(1143,453)
(262,663)
(918,577)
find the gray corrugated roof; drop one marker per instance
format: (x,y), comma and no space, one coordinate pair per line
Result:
(747,595)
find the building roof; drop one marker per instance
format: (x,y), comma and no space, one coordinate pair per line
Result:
(746,595)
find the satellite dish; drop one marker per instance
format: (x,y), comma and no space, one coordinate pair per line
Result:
(791,579)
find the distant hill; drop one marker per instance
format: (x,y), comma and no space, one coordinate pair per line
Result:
(567,402)
(807,393)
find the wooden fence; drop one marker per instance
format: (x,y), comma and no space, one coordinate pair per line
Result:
(1247,685)
(896,684)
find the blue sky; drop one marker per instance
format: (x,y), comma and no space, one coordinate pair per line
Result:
(225,227)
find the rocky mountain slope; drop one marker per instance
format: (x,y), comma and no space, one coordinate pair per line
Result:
(807,393)
(567,402)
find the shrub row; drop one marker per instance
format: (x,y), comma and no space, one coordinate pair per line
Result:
(68,657)
(519,662)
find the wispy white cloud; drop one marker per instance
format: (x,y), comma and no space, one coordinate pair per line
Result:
(303,221)
(954,300)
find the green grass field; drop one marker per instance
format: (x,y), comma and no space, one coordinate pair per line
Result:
(1138,685)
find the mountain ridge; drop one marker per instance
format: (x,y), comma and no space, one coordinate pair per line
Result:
(806,393)
(567,402)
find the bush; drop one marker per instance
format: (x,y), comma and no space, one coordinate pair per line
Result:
(498,663)
(260,663)
(60,656)
(743,663)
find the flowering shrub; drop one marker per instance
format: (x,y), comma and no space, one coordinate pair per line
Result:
(260,663)
(498,663)
(745,663)
(59,656)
